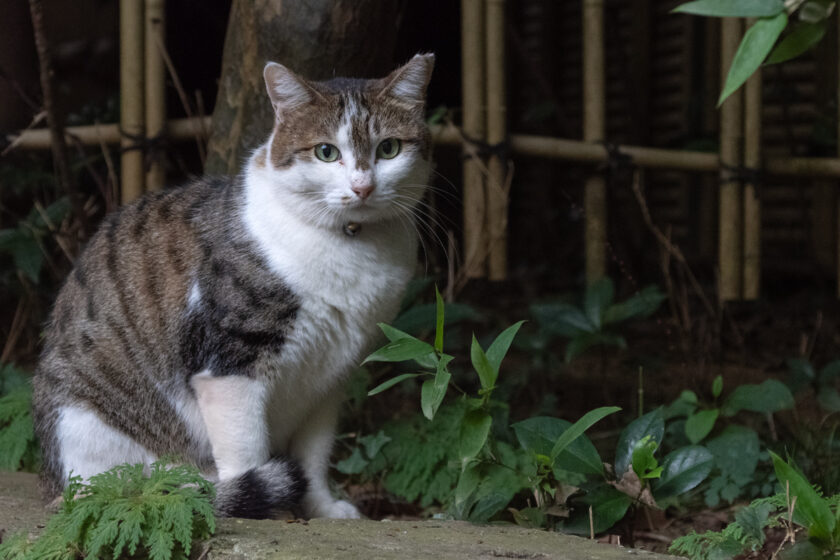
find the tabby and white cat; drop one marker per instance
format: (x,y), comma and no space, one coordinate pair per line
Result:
(216,322)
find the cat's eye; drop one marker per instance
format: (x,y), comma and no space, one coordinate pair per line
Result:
(388,148)
(327,152)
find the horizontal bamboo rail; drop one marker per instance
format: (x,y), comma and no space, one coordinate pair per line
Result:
(448,135)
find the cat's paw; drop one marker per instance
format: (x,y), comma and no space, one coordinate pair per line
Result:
(339,509)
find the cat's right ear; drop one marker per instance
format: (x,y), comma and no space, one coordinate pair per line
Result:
(286,90)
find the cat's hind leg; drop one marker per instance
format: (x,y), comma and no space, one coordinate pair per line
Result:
(89,446)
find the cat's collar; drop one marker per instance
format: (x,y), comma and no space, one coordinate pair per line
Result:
(352,229)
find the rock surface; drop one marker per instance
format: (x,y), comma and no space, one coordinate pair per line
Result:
(243,539)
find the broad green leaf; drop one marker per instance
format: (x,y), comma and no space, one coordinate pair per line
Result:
(561,319)
(770,396)
(486,374)
(439,311)
(474,431)
(813,11)
(578,428)
(802,550)
(608,507)
(430,398)
(802,373)
(401,350)
(651,424)
(736,451)
(717,386)
(732,8)
(538,435)
(599,295)
(28,257)
(754,48)
(354,464)
(643,304)
(699,424)
(684,469)
(684,405)
(642,460)
(802,38)
(393,334)
(813,511)
(830,372)
(374,443)
(829,398)
(391,382)
(530,518)
(420,319)
(499,347)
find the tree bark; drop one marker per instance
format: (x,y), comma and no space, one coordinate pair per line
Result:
(318,39)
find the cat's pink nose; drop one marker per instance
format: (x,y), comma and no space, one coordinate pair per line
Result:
(362,191)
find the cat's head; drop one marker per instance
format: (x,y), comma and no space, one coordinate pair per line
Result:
(349,150)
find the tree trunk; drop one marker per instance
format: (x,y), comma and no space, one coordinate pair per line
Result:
(318,39)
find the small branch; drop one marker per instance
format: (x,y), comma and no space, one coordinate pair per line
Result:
(57,142)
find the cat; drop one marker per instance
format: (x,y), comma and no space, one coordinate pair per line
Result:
(216,322)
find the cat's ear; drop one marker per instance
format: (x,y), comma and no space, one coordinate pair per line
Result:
(409,82)
(286,90)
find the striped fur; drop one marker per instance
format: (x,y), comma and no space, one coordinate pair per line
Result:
(215,322)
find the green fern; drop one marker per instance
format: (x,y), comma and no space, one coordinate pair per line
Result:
(746,533)
(18,446)
(125,511)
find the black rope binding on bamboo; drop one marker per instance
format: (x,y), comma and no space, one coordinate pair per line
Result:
(153,147)
(744,175)
(616,159)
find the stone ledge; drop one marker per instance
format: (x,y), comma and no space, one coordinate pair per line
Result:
(245,539)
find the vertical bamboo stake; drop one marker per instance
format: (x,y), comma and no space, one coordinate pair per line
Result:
(496,133)
(473,86)
(131,96)
(837,215)
(594,129)
(752,205)
(730,224)
(155,88)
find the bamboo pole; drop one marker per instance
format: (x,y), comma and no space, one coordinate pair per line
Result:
(497,217)
(837,213)
(473,86)
(155,88)
(752,204)
(131,97)
(447,135)
(594,129)
(729,222)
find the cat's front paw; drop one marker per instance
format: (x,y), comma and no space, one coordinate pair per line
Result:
(339,509)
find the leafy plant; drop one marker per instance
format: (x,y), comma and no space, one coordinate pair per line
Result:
(125,512)
(18,445)
(799,505)
(823,382)
(773,16)
(593,323)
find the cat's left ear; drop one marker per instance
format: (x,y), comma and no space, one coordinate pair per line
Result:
(409,82)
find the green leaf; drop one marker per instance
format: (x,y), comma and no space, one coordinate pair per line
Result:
(814,11)
(486,373)
(538,434)
(354,464)
(394,334)
(561,319)
(578,428)
(811,509)
(434,390)
(391,382)
(599,295)
(717,386)
(757,43)
(643,462)
(736,451)
(419,319)
(699,424)
(803,550)
(643,304)
(830,372)
(801,39)
(770,396)
(829,398)
(732,8)
(474,431)
(753,519)
(651,424)
(374,443)
(28,257)
(499,348)
(439,307)
(608,507)
(401,350)
(684,469)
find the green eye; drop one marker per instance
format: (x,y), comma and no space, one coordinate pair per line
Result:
(388,148)
(327,152)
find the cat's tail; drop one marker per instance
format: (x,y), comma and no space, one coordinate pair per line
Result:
(259,493)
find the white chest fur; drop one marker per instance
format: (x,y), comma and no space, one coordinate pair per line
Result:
(345,286)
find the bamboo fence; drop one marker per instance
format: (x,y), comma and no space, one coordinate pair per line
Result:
(484,132)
